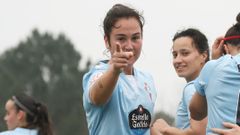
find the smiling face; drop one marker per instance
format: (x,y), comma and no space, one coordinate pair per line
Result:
(128,34)
(187,61)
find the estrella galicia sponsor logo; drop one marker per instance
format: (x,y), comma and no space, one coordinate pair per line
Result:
(139,120)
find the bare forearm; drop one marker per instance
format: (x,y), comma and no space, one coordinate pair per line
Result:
(103,88)
(173,131)
(196,128)
(176,131)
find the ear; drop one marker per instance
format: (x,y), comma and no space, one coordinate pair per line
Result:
(106,42)
(226,49)
(204,56)
(21,115)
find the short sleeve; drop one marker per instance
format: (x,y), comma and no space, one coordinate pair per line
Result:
(88,80)
(188,93)
(203,79)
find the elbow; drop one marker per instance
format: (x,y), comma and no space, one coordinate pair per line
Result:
(196,113)
(96,100)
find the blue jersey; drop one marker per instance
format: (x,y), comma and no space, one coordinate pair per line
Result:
(20,131)
(129,109)
(219,81)
(183,113)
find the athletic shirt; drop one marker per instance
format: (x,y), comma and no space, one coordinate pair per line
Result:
(219,81)
(20,131)
(183,113)
(128,111)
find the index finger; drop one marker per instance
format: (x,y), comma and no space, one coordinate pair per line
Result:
(229,125)
(118,48)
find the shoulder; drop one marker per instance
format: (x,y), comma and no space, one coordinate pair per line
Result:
(210,66)
(142,74)
(101,65)
(188,91)
(189,88)
(219,61)
(217,64)
(95,72)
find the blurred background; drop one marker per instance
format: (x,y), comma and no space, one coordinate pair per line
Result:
(47,46)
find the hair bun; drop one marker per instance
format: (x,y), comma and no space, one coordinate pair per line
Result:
(238,18)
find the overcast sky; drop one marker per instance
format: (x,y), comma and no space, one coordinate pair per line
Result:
(81,22)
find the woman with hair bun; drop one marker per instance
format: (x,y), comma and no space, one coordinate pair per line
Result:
(218,86)
(26,116)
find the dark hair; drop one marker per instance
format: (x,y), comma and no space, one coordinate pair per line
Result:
(199,40)
(120,11)
(36,114)
(234,31)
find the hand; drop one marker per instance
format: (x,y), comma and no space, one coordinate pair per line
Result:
(120,59)
(233,129)
(218,48)
(159,127)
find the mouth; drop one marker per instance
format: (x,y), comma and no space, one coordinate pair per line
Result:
(179,67)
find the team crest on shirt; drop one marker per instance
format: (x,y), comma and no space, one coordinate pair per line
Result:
(139,120)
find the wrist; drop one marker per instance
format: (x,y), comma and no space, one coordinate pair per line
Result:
(115,71)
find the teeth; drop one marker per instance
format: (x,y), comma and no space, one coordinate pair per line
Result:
(179,67)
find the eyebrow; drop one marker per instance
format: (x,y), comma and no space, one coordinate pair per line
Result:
(181,50)
(135,34)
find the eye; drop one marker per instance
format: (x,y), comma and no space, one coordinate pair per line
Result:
(185,53)
(121,39)
(135,38)
(174,54)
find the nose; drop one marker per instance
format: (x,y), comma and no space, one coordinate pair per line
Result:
(128,47)
(177,59)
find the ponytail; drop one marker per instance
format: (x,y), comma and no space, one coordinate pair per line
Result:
(42,120)
(36,114)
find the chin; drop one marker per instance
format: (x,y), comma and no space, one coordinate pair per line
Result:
(181,75)
(131,62)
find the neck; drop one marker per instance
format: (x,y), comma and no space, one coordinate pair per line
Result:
(194,75)
(234,50)
(188,80)
(128,71)
(23,125)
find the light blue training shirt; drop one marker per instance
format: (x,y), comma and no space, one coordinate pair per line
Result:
(130,108)
(20,131)
(183,114)
(219,81)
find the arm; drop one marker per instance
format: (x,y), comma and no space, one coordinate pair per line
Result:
(103,88)
(198,107)
(196,128)
(233,129)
